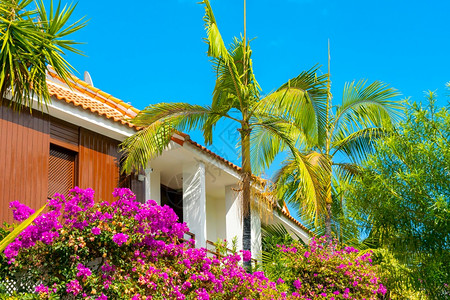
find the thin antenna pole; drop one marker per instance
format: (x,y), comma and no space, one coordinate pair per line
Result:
(329,60)
(328,101)
(245,21)
(245,43)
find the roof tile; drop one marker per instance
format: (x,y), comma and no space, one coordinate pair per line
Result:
(87,103)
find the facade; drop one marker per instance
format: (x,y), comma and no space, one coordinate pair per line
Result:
(75,143)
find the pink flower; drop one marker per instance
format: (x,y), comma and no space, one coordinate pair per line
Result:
(280,281)
(73,287)
(297,284)
(120,238)
(202,294)
(246,255)
(382,289)
(83,271)
(41,289)
(21,212)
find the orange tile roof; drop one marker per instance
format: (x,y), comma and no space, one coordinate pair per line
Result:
(79,93)
(214,155)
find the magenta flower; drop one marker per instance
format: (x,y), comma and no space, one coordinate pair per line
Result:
(21,212)
(297,284)
(307,254)
(120,238)
(73,287)
(246,255)
(382,289)
(83,271)
(41,289)
(95,231)
(202,294)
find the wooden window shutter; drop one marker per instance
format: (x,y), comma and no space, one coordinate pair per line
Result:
(61,170)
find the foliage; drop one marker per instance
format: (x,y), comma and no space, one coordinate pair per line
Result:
(325,271)
(31,39)
(398,277)
(403,196)
(123,250)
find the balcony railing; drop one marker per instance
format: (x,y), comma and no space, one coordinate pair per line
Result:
(211,248)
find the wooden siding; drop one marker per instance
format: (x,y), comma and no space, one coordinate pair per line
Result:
(25,141)
(24,155)
(64,132)
(98,164)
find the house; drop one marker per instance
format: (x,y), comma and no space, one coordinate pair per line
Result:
(75,142)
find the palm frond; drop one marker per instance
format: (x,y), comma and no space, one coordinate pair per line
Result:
(182,116)
(21,227)
(270,136)
(359,144)
(230,90)
(215,42)
(372,105)
(149,142)
(303,101)
(346,171)
(31,40)
(301,181)
(159,121)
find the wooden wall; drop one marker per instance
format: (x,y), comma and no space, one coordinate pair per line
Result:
(98,164)
(24,154)
(24,158)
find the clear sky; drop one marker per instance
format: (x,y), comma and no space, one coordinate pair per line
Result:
(146,52)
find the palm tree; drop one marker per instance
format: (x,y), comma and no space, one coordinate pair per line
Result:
(236,97)
(31,40)
(310,176)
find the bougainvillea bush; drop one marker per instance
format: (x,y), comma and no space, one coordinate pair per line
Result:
(123,250)
(129,250)
(323,270)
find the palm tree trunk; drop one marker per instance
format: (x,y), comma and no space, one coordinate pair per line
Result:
(246,193)
(328,222)
(329,202)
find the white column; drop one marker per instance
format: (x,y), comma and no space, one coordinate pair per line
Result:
(256,234)
(152,185)
(194,201)
(233,217)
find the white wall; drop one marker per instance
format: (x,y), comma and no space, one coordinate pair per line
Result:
(233,220)
(152,185)
(194,200)
(256,234)
(215,218)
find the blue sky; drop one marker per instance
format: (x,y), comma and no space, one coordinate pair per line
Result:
(146,52)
